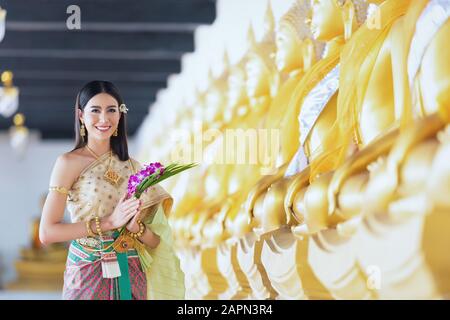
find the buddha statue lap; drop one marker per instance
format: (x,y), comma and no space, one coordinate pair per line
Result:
(373,55)
(314,102)
(295,54)
(217,181)
(349,187)
(306,196)
(39,267)
(431,52)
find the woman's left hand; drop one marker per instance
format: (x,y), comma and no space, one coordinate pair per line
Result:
(133,225)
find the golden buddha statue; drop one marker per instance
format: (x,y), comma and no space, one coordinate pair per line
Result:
(374,62)
(339,137)
(213,176)
(295,54)
(260,85)
(408,80)
(237,99)
(209,224)
(372,66)
(236,113)
(407,235)
(379,208)
(335,23)
(395,189)
(226,96)
(427,56)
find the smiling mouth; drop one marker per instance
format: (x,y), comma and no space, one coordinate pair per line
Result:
(103,128)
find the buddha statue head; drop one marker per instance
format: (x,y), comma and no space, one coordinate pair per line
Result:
(216,95)
(289,37)
(333,18)
(260,65)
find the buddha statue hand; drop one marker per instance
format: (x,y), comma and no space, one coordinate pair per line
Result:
(294,200)
(380,190)
(384,179)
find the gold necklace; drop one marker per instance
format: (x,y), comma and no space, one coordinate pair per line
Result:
(110,175)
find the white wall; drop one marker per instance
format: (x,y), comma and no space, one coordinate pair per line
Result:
(22,182)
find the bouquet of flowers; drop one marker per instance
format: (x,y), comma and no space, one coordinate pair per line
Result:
(152,174)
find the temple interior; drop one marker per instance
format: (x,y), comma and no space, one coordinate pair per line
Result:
(321,130)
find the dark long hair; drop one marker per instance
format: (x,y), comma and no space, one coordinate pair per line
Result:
(119,144)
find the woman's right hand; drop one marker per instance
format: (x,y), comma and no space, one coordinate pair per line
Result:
(124,212)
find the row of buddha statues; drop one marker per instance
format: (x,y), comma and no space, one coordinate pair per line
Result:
(356,203)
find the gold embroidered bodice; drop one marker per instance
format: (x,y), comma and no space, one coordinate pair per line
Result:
(92,195)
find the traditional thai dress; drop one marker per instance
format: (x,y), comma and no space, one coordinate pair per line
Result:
(106,267)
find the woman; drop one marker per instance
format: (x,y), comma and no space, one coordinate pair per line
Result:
(120,248)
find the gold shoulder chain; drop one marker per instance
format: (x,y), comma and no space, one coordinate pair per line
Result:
(132,165)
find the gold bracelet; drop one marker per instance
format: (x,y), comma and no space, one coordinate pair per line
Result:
(97,226)
(88,228)
(140,232)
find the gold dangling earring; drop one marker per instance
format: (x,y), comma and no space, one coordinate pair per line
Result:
(116,132)
(82,131)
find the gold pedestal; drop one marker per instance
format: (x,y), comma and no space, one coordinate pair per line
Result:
(40,269)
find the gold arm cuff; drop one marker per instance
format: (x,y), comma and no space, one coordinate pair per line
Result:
(97,227)
(141,231)
(61,190)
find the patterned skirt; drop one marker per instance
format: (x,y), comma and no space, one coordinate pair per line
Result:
(83,277)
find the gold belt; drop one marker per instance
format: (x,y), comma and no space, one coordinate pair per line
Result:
(123,243)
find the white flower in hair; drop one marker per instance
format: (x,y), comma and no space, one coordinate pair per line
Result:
(123,108)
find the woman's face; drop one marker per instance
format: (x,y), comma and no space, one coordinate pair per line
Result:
(100,116)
